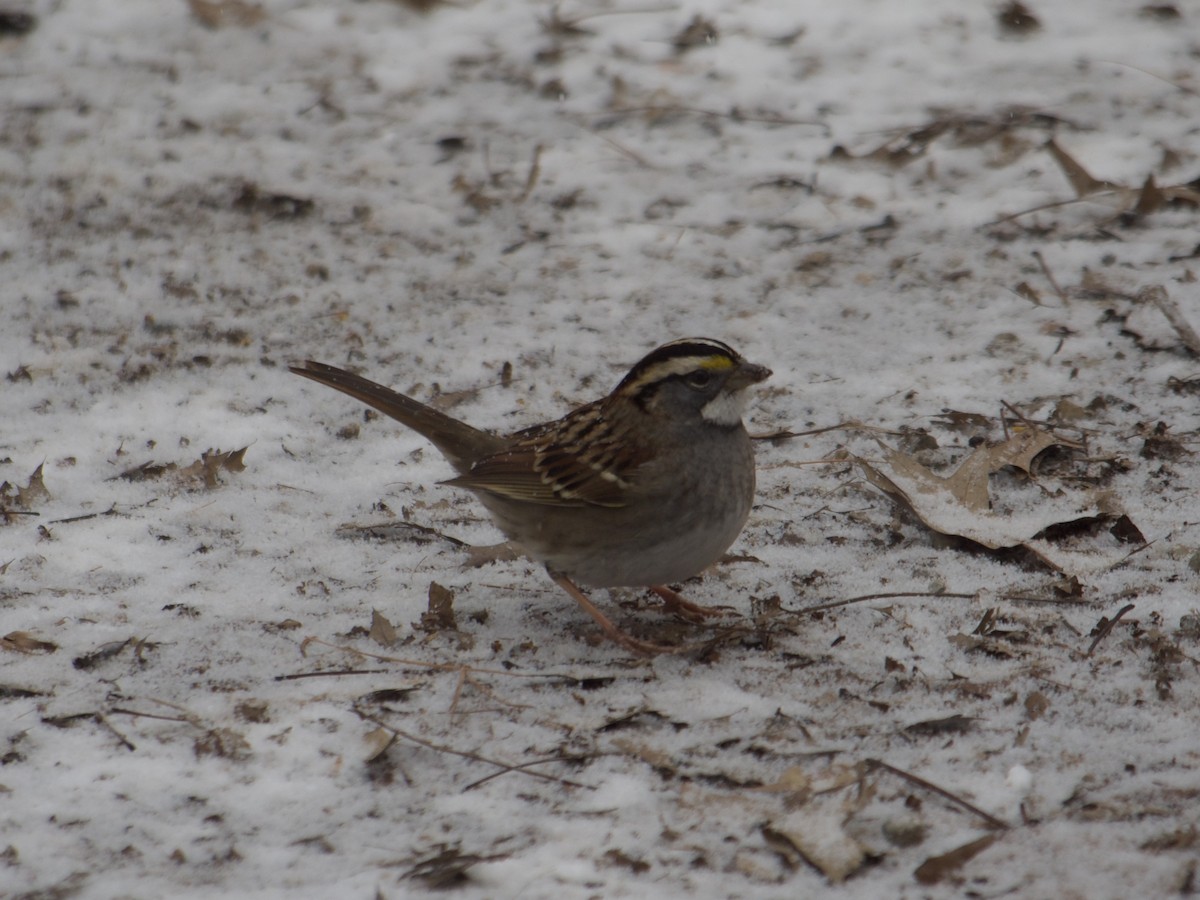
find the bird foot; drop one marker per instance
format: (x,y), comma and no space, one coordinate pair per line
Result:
(675,602)
(611,631)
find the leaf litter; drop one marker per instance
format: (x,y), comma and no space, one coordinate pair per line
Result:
(944,687)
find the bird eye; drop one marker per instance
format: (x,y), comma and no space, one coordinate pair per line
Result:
(699,379)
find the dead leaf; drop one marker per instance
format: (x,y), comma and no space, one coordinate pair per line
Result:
(956,724)
(382,631)
(970,642)
(659,760)
(1132,204)
(440,616)
(794,780)
(817,834)
(146,471)
(378,741)
(937,868)
(206,470)
(223,742)
(958,505)
(1126,532)
(1067,410)
(254,711)
(24,642)
(87,661)
(1015,18)
(700,32)
(448,867)
(1081,180)
(272,204)
(16,22)
(34,492)
(969,483)
(220,13)
(1036,705)
(1150,198)
(617,857)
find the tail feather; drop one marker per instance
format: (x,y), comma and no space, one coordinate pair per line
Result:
(461,444)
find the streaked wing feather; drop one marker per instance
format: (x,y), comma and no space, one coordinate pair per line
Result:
(571,462)
(511,474)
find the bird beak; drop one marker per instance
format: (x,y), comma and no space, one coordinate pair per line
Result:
(746,375)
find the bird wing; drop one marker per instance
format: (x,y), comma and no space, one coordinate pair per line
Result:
(576,461)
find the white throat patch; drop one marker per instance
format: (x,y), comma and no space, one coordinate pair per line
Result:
(725,409)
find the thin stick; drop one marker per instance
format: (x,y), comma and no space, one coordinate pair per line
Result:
(992,821)
(436,666)
(1157,295)
(865,598)
(1056,204)
(717,114)
(467,754)
(335,674)
(1107,627)
(532,762)
(1037,254)
(111,511)
(121,711)
(125,742)
(535,169)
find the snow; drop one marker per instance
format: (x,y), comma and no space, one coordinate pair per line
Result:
(191,701)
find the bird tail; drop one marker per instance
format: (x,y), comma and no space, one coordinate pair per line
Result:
(461,444)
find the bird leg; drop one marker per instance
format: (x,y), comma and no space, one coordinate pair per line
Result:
(611,631)
(675,602)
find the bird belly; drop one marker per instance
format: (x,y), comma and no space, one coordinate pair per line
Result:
(686,533)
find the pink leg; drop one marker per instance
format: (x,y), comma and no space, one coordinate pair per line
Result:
(675,602)
(611,631)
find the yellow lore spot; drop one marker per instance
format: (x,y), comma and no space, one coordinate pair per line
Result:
(717,363)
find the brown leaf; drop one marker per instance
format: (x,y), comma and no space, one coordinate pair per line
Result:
(382,631)
(1069,411)
(277,206)
(699,32)
(970,642)
(817,834)
(447,868)
(220,13)
(617,857)
(235,460)
(658,759)
(206,470)
(1036,705)
(87,661)
(34,493)
(968,485)
(958,505)
(222,742)
(1182,194)
(440,616)
(1081,180)
(255,711)
(24,642)
(1150,198)
(1126,532)
(16,22)
(936,868)
(956,724)
(146,471)
(1015,18)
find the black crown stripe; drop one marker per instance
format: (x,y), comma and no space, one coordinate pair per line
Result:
(676,349)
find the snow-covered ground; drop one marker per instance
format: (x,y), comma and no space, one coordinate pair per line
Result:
(199,691)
